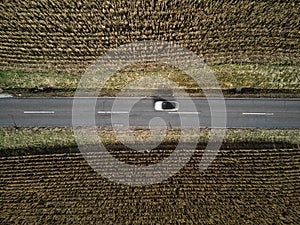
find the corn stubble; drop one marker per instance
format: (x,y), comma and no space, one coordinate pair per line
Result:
(257,184)
(241,186)
(69,35)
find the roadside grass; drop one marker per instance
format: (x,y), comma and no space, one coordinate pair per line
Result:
(27,80)
(27,141)
(23,141)
(263,76)
(230,76)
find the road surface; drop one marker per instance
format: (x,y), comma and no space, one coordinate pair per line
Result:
(241,113)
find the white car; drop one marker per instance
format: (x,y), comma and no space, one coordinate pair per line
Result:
(166,106)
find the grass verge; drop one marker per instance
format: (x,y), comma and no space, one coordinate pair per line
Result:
(32,141)
(259,80)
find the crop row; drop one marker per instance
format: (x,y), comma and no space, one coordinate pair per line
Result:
(240,185)
(64,35)
(258,169)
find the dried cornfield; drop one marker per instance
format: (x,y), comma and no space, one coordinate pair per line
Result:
(68,35)
(240,187)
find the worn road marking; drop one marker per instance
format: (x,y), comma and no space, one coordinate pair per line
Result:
(259,114)
(187,113)
(118,125)
(109,112)
(39,112)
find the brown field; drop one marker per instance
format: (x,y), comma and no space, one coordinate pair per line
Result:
(254,180)
(240,187)
(67,35)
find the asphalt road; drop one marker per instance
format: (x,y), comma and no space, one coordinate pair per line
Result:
(240,113)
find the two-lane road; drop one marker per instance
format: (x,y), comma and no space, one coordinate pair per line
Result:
(256,113)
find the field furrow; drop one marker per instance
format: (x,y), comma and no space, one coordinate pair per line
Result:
(59,187)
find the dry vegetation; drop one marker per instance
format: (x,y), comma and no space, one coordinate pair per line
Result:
(240,187)
(68,35)
(253,180)
(44,179)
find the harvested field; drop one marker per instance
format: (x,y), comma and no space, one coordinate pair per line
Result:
(67,36)
(253,180)
(45,46)
(240,187)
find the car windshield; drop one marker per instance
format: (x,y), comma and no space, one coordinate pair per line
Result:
(168,105)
